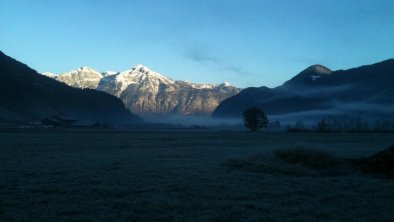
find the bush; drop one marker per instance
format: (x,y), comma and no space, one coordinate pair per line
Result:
(380,164)
(266,164)
(313,159)
(294,161)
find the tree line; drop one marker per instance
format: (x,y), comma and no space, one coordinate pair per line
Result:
(254,119)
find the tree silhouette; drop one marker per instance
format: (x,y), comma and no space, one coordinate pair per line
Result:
(254,119)
(322,126)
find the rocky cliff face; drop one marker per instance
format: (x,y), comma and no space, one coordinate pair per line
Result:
(149,93)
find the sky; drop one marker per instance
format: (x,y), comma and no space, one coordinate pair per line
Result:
(244,42)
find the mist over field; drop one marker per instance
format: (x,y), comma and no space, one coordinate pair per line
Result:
(196,120)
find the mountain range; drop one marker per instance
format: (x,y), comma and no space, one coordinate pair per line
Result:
(148,93)
(27,96)
(314,93)
(317,92)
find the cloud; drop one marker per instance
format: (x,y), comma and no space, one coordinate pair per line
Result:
(200,57)
(205,58)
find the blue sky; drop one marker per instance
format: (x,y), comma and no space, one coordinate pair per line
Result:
(245,42)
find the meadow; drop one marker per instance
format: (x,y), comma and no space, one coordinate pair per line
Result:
(186,175)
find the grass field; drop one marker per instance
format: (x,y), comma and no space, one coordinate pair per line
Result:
(184,175)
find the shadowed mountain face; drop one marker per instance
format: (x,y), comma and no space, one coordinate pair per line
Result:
(149,93)
(317,92)
(26,95)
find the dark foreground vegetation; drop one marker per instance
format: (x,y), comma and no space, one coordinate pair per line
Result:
(193,175)
(309,162)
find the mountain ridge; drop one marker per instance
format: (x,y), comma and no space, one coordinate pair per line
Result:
(334,92)
(150,93)
(26,95)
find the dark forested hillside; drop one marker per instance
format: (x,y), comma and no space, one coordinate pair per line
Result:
(317,91)
(26,95)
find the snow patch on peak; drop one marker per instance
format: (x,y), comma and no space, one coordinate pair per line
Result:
(141,68)
(224,84)
(83,77)
(109,73)
(140,76)
(202,86)
(314,77)
(49,74)
(85,69)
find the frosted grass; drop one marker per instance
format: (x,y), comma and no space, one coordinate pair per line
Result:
(173,175)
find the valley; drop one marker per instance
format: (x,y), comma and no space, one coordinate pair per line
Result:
(200,111)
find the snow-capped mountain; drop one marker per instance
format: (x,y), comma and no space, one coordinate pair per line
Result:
(83,77)
(149,93)
(139,75)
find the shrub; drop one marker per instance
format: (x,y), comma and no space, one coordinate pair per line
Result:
(380,164)
(266,164)
(295,161)
(313,159)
